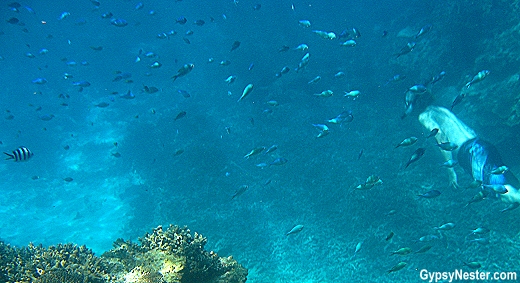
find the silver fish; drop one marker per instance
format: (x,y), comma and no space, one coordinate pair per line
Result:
(271,149)
(247,90)
(296,229)
(478,77)
(240,191)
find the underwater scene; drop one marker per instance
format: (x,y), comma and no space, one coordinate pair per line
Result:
(260,141)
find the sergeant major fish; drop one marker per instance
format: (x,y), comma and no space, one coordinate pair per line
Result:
(20,154)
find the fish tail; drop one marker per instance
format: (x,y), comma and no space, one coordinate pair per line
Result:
(11,156)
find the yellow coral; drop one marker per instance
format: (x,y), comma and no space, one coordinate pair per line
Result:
(172,265)
(134,275)
(140,275)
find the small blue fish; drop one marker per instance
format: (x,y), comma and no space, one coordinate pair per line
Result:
(181,20)
(512,206)
(438,77)
(251,66)
(240,191)
(360,154)
(430,194)
(122,76)
(447,146)
(480,241)
(39,81)
(345,116)
(81,83)
(63,15)
(184,93)
(424,30)
(450,163)
(128,95)
(500,189)
(271,149)
(46,117)
(395,78)
(427,238)
(119,22)
(344,34)
(418,153)
(279,161)
(29,9)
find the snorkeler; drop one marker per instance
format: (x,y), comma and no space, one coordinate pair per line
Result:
(476,156)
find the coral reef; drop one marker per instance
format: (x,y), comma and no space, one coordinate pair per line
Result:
(171,255)
(60,263)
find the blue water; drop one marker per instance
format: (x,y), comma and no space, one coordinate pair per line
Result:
(185,171)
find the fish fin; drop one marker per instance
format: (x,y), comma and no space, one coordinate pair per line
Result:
(10,156)
(455,184)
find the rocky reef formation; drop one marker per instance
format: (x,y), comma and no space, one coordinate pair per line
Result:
(171,255)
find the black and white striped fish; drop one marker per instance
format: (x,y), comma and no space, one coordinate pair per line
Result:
(20,154)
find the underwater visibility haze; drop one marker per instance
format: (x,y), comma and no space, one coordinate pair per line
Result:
(312,141)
